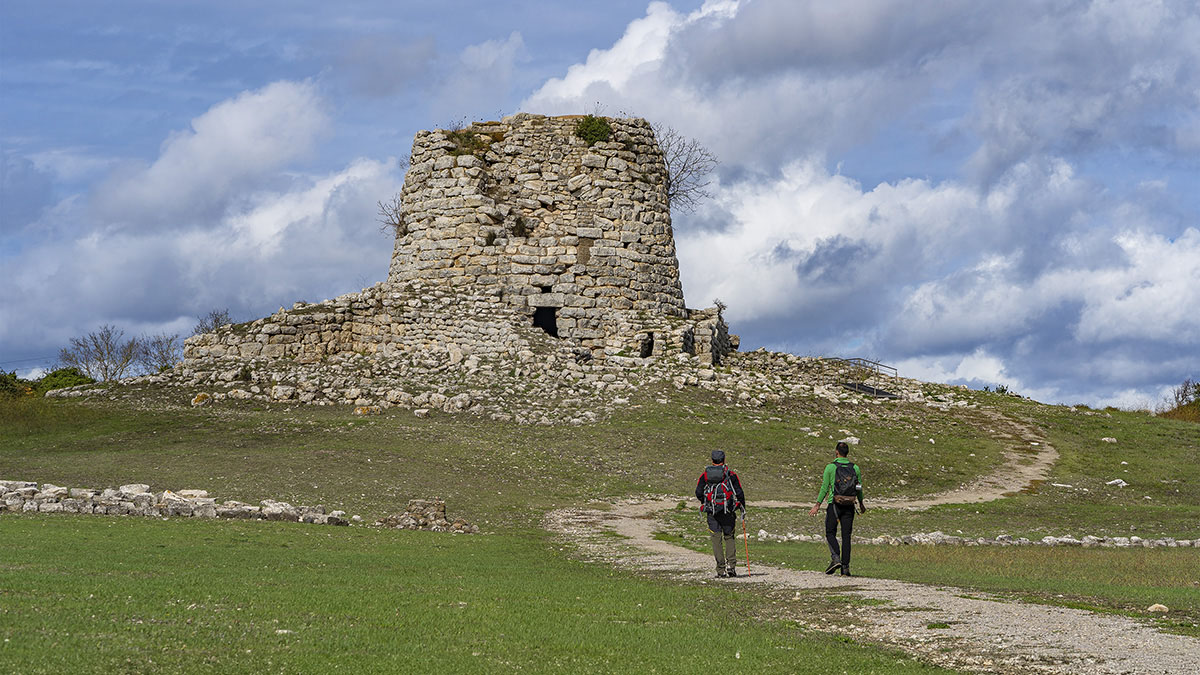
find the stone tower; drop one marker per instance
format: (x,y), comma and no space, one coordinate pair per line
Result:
(575,236)
(511,233)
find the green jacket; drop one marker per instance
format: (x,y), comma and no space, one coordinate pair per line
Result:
(830,471)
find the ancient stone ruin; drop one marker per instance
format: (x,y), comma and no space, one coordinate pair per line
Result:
(514,236)
(427,514)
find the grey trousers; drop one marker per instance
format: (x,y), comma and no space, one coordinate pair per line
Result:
(723,541)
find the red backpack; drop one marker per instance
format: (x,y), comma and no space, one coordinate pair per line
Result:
(719,496)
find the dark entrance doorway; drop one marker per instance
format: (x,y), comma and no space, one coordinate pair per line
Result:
(546,318)
(647,345)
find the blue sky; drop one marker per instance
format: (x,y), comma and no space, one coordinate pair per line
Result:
(985,193)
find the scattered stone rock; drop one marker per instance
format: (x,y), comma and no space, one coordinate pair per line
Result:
(426,514)
(135,499)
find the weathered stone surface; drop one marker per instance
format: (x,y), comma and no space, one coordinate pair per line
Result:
(426,514)
(487,241)
(273,510)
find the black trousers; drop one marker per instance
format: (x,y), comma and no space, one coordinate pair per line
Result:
(845,516)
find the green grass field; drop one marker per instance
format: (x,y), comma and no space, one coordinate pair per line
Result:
(93,594)
(373,465)
(194,595)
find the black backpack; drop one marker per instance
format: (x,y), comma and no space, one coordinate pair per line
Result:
(845,484)
(719,496)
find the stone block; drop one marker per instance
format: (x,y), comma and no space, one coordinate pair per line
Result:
(546,300)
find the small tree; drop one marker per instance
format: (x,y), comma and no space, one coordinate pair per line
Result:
(103,355)
(391,216)
(688,167)
(160,352)
(211,321)
(1186,393)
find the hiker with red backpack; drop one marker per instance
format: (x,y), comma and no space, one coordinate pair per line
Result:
(843,483)
(720,495)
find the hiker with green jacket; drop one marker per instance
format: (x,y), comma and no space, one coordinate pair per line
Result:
(843,483)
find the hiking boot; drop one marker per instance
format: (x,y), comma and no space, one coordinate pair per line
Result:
(731,572)
(721,574)
(833,567)
(846,572)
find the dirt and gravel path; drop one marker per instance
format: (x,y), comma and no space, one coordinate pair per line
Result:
(980,632)
(1027,461)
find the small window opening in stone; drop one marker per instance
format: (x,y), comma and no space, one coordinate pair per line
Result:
(546,318)
(545,289)
(647,345)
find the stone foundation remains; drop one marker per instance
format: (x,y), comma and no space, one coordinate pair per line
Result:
(426,514)
(136,499)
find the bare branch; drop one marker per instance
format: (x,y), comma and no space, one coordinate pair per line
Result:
(391,216)
(103,354)
(212,321)
(688,166)
(160,352)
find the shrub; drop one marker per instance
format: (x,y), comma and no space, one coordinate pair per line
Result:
(61,379)
(1183,403)
(11,385)
(467,142)
(593,129)
(210,322)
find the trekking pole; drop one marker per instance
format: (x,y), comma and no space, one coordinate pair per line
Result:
(746,539)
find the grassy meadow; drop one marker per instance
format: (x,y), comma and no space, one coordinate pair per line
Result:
(94,594)
(135,595)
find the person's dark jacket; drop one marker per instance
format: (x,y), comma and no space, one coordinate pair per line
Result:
(737,487)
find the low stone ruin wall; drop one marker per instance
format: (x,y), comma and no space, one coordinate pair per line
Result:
(136,499)
(427,514)
(942,539)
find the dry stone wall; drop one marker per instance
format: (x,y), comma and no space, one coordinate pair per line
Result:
(136,499)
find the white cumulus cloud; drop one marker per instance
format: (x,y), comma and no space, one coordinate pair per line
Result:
(236,144)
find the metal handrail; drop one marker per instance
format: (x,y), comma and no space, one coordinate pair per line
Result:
(875,367)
